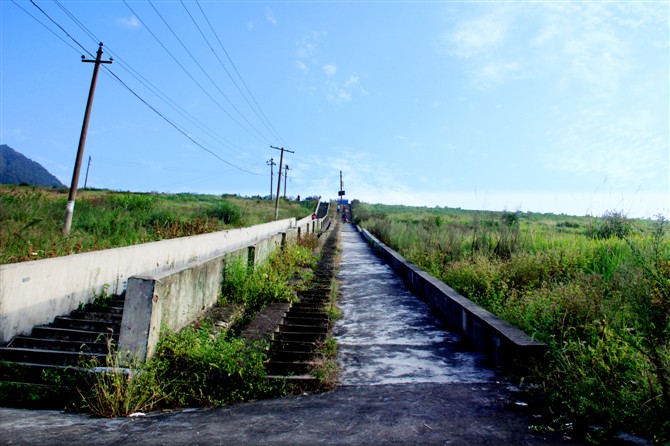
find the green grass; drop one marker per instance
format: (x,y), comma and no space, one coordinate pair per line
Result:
(595,290)
(31,219)
(204,365)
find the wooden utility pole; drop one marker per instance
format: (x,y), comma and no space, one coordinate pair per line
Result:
(285,179)
(69,209)
(271,163)
(87,169)
(281,161)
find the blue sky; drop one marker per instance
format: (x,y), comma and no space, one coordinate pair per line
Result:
(558,106)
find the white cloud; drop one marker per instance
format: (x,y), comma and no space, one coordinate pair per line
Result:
(250,25)
(623,147)
(130,22)
(269,15)
(330,69)
(478,35)
(302,66)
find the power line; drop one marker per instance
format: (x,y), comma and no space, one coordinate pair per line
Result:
(46,27)
(122,83)
(146,83)
(259,135)
(177,128)
(266,122)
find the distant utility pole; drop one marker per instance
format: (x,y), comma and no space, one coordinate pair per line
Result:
(341,191)
(271,163)
(87,169)
(285,179)
(281,161)
(69,209)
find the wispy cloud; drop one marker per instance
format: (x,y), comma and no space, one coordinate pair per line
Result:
(329,69)
(583,43)
(598,143)
(269,15)
(477,35)
(337,89)
(128,22)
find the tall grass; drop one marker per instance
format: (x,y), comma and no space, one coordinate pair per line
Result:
(31,219)
(595,290)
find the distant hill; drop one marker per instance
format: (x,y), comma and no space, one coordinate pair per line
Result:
(16,169)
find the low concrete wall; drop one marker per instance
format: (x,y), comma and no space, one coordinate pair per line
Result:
(173,299)
(507,346)
(33,293)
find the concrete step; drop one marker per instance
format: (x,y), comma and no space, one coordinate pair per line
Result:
(290,356)
(58,344)
(293,328)
(288,368)
(300,337)
(308,306)
(296,346)
(48,357)
(86,325)
(97,316)
(311,321)
(40,373)
(316,314)
(46,332)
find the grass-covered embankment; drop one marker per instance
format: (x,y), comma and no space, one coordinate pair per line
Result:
(31,219)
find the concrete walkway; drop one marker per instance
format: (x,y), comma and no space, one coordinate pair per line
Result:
(405,381)
(389,336)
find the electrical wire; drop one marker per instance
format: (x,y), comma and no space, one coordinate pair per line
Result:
(142,99)
(46,27)
(177,127)
(147,84)
(258,135)
(264,120)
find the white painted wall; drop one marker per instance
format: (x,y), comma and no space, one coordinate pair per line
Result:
(33,293)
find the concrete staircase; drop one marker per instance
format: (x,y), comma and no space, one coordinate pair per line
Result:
(295,347)
(44,369)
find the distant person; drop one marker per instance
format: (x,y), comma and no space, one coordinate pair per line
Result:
(298,199)
(313,216)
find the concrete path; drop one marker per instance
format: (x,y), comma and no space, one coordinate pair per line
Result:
(389,336)
(405,381)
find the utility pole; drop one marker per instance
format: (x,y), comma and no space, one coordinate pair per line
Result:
(69,209)
(341,191)
(271,163)
(87,169)
(281,161)
(285,179)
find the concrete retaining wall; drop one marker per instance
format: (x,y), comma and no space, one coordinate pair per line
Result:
(509,347)
(173,299)
(33,293)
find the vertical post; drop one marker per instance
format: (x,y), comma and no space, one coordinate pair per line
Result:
(285,179)
(69,209)
(87,169)
(281,160)
(271,163)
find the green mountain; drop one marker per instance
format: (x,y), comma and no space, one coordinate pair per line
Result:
(17,169)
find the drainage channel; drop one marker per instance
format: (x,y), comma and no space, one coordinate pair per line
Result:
(387,335)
